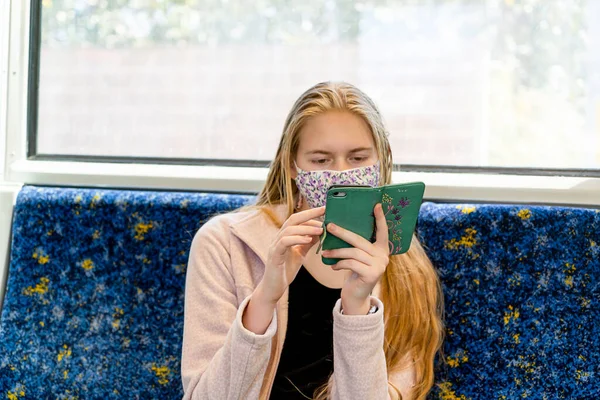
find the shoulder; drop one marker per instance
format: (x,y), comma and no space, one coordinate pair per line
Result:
(246,224)
(234,232)
(219,227)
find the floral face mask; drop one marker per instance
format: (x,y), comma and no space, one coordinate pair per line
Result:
(313,185)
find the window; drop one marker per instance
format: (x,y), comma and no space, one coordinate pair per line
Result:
(4,22)
(495,83)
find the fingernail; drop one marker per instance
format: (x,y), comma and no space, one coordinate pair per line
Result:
(331,226)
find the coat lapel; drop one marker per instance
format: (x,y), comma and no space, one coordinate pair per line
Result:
(257,231)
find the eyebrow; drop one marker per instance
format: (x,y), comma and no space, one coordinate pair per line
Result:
(356,150)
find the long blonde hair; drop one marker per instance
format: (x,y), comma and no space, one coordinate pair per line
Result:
(410,288)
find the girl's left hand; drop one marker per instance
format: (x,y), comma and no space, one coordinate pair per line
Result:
(366,260)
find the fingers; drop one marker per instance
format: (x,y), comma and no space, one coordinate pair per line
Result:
(301,230)
(313,222)
(357,267)
(305,248)
(351,238)
(381,233)
(296,235)
(355,240)
(349,253)
(284,243)
(304,216)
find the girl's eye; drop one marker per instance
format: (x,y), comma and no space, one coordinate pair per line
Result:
(320,161)
(359,159)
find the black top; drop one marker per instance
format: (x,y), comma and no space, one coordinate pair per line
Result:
(307,356)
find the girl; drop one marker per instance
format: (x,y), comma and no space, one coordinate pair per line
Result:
(258,300)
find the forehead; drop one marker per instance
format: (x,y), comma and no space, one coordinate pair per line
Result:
(335,131)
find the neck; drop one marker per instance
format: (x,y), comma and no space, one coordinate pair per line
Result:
(323,273)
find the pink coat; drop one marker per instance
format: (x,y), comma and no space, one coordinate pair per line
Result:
(223,360)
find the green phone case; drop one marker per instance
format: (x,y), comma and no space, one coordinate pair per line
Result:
(351,207)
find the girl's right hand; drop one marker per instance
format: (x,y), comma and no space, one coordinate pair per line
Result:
(299,233)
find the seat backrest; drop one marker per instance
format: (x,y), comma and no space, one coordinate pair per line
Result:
(94,298)
(522,292)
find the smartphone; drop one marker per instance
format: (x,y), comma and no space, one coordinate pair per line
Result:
(352,208)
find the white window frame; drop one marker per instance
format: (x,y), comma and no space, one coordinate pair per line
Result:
(461,187)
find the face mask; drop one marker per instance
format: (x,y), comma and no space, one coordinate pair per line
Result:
(313,185)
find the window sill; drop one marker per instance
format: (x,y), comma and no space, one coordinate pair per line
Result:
(460,187)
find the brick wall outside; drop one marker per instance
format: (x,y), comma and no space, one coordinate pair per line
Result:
(231,102)
(454,85)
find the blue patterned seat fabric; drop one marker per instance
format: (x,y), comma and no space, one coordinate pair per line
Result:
(94,301)
(522,292)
